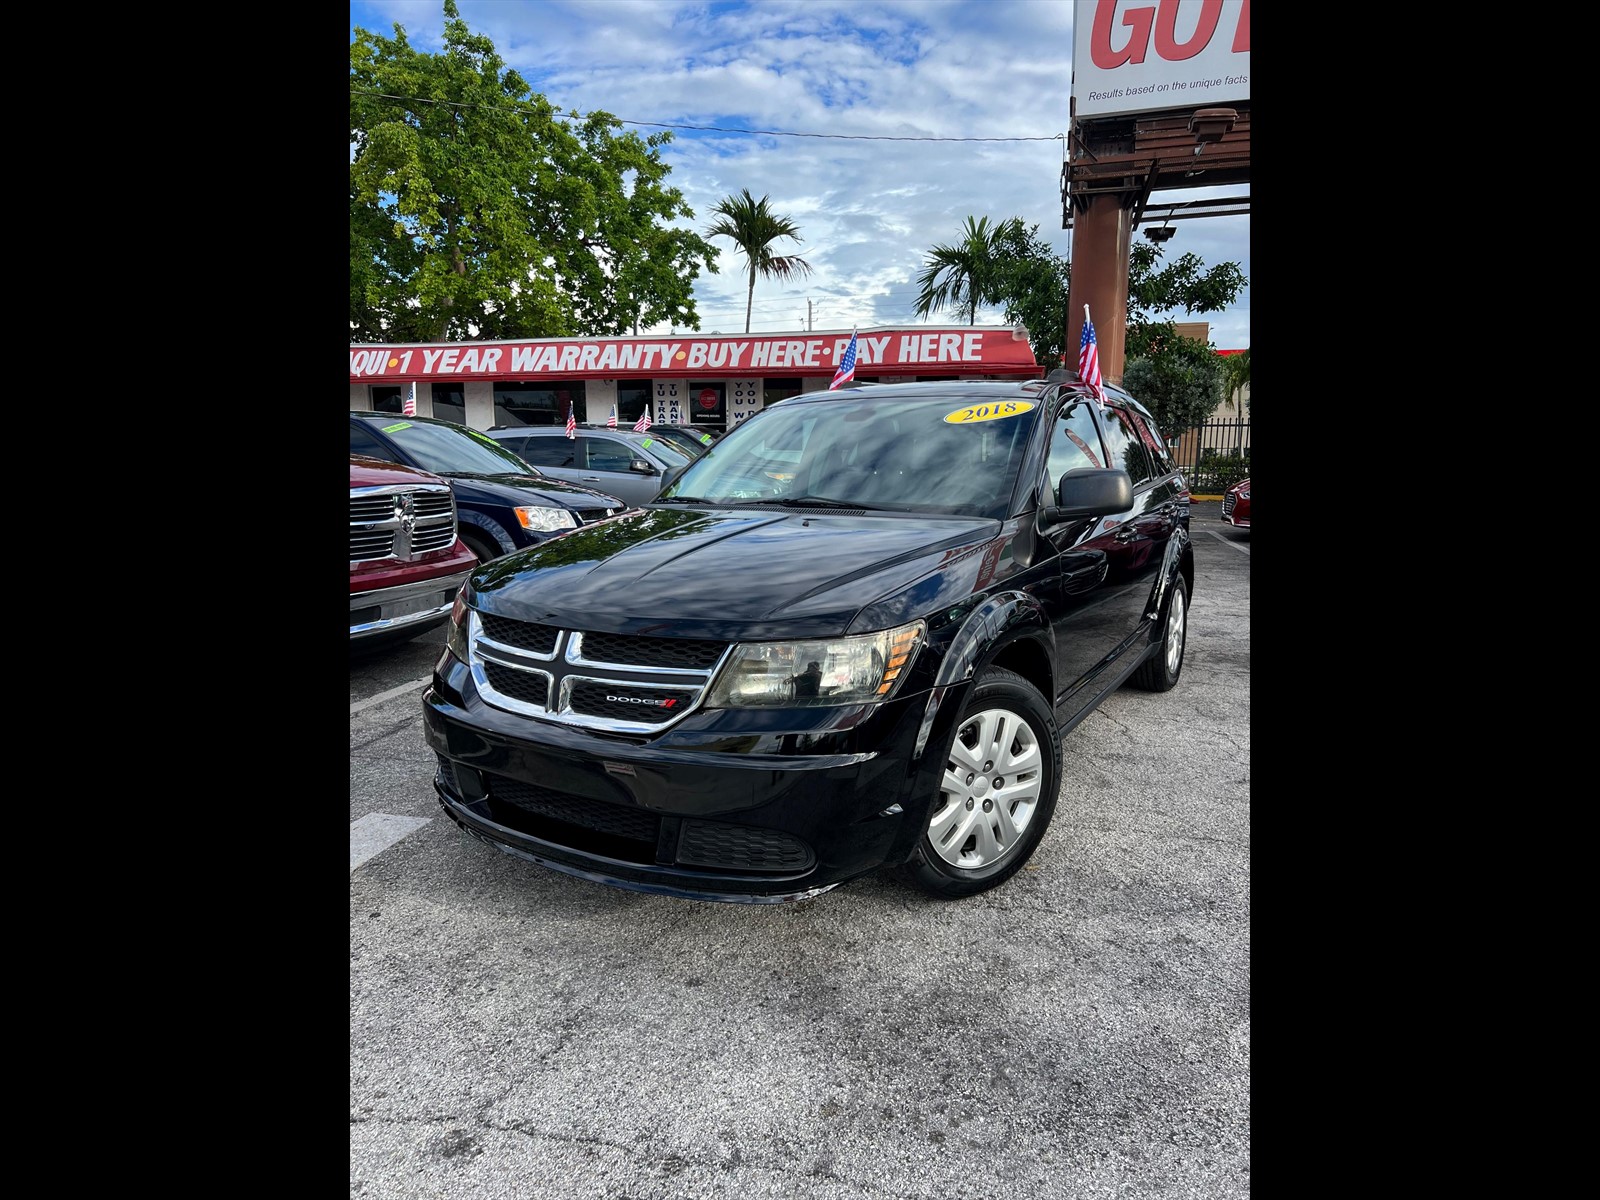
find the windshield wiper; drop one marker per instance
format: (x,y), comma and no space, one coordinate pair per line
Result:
(817,502)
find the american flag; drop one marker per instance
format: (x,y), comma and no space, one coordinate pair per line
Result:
(572,423)
(611,421)
(1089,359)
(410,405)
(643,422)
(847,365)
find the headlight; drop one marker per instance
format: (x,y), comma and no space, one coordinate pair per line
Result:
(546,520)
(810,674)
(455,638)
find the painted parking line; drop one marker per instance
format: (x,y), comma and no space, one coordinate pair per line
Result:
(361,705)
(1239,546)
(376,832)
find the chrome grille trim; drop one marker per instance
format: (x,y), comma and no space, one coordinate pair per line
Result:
(689,686)
(575,656)
(401,521)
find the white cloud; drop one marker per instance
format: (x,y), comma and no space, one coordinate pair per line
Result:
(868,210)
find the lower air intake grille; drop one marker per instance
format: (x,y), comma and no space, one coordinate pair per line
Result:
(575,810)
(741,848)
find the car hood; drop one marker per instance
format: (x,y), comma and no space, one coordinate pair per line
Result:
(738,574)
(512,488)
(378,472)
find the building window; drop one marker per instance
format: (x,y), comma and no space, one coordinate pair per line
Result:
(708,404)
(632,396)
(449,403)
(779,389)
(387,399)
(520,402)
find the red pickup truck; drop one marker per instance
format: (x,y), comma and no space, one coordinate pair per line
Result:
(407,559)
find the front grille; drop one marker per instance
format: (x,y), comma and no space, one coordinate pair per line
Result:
(672,654)
(524,635)
(1227,504)
(618,683)
(529,686)
(645,705)
(400,521)
(589,516)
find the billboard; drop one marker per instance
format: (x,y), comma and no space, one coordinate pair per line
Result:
(1147,55)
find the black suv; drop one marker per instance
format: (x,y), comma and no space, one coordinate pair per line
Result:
(501,504)
(852,637)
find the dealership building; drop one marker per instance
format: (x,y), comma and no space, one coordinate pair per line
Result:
(685,379)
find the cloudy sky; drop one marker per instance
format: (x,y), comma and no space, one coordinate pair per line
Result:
(877,126)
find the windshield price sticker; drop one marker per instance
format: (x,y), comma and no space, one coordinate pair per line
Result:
(397,427)
(987,412)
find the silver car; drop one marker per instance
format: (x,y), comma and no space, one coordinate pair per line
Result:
(631,466)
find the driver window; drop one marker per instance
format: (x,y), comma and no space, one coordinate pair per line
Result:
(1075,443)
(606,455)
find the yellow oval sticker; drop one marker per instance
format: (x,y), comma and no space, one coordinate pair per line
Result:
(987,412)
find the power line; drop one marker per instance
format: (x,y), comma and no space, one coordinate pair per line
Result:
(576,116)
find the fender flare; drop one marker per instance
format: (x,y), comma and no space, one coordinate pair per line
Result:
(489,526)
(1178,550)
(1001,619)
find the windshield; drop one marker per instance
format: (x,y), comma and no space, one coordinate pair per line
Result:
(663,449)
(455,450)
(946,451)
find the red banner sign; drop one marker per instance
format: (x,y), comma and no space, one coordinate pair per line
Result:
(954,350)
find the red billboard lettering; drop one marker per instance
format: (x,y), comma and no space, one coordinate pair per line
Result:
(1167,45)
(1163,19)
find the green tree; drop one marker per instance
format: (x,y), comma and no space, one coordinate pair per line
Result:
(1018,272)
(965,275)
(477,211)
(1186,283)
(1236,378)
(1181,384)
(752,226)
(1030,285)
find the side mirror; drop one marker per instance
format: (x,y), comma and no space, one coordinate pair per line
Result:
(642,466)
(1090,492)
(671,477)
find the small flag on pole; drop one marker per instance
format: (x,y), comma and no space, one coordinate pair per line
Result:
(611,421)
(847,365)
(410,405)
(572,423)
(1089,359)
(643,423)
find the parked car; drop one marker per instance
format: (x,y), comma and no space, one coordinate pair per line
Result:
(765,683)
(407,559)
(1236,504)
(693,442)
(500,503)
(634,466)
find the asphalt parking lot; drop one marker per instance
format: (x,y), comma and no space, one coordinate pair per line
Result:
(1082,1031)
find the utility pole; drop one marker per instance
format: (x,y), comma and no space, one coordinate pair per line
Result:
(808,315)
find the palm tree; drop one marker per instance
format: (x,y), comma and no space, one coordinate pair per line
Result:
(1236,377)
(753,227)
(962,276)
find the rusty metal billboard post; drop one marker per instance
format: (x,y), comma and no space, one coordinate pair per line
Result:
(1160,102)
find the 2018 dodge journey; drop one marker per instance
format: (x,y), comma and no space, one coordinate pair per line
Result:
(849,637)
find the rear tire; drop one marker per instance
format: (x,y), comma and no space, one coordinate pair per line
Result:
(1002,773)
(1159,672)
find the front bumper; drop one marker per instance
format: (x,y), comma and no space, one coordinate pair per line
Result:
(738,806)
(404,606)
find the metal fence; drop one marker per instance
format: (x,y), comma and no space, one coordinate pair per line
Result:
(1214,456)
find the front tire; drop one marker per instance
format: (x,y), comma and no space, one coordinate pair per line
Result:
(1159,672)
(1002,773)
